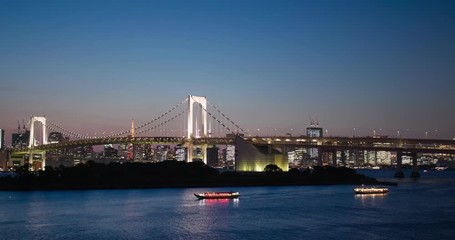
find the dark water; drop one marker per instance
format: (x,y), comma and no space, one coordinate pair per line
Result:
(422,209)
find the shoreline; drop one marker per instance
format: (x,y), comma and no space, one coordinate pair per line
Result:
(93,176)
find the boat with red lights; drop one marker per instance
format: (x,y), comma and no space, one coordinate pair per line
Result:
(370,190)
(217,195)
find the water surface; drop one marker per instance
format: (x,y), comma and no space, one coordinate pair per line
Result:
(415,209)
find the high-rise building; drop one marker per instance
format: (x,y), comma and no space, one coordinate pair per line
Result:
(20,139)
(55,137)
(296,157)
(2,139)
(314,131)
(161,152)
(109,151)
(230,155)
(123,150)
(180,153)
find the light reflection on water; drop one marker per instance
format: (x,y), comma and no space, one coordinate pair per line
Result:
(371,199)
(219,202)
(413,209)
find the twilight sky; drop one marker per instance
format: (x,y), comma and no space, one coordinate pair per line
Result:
(93,65)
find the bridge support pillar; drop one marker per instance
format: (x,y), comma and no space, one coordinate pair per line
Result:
(189,151)
(415,170)
(399,173)
(334,158)
(204,153)
(320,153)
(36,160)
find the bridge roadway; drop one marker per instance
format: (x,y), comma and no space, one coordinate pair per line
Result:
(325,144)
(330,144)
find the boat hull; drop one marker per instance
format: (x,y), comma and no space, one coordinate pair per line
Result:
(370,190)
(217,195)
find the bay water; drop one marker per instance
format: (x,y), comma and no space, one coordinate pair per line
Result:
(415,209)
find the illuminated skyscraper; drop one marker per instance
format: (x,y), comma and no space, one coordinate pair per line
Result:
(20,139)
(55,137)
(314,131)
(180,153)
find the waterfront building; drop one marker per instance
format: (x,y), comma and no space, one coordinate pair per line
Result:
(83,152)
(254,159)
(180,153)
(212,157)
(139,152)
(356,158)
(147,152)
(122,151)
(161,153)
(230,156)
(109,151)
(296,157)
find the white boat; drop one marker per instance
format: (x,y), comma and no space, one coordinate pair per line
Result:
(441,168)
(370,190)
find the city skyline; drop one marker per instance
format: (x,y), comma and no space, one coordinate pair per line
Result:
(359,67)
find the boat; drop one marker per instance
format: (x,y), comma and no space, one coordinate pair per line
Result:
(217,195)
(441,168)
(370,190)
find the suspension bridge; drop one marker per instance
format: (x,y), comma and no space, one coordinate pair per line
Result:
(197,122)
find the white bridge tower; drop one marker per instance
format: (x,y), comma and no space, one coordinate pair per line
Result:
(39,155)
(42,120)
(201,101)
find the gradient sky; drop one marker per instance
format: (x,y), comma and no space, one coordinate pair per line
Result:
(93,65)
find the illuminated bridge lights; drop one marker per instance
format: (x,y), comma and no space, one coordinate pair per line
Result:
(386,144)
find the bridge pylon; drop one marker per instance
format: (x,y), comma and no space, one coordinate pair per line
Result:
(35,156)
(202,101)
(42,120)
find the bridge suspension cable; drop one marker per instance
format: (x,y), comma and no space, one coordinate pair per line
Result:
(224,115)
(216,119)
(149,122)
(56,128)
(161,124)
